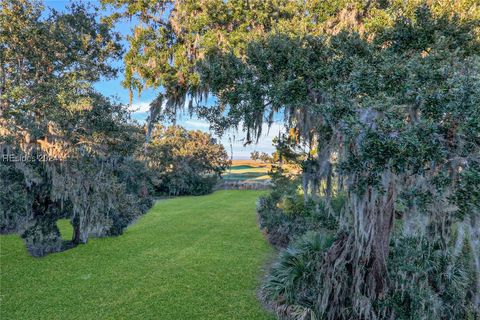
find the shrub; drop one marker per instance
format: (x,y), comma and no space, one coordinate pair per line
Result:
(290,286)
(184,162)
(43,238)
(287,217)
(429,281)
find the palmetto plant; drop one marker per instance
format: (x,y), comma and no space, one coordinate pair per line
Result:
(291,283)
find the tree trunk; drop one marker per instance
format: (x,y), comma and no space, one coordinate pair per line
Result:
(354,273)
(80,232)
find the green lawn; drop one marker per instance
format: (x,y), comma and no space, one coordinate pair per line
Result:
(188,258)
(246,172)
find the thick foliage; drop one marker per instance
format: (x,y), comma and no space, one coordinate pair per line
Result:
(292,282)
(285,216)
(429,281)
(394,118)
(13,199)
(174,35)
(184,162)
(67,151)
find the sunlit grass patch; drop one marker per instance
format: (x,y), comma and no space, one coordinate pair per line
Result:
(247,170)
(66,229)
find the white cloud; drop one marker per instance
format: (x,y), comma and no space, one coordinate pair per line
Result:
(197,123)
(139,107)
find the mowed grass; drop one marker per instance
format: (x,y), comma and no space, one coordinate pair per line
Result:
(247,170)
(187,258)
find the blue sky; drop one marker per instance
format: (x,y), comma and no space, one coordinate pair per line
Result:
(114,88)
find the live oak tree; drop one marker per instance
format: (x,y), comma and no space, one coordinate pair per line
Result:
(184,161)
(74,140)
(386,92)
(395,114)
